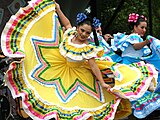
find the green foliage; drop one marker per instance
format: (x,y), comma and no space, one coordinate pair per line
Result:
(120,24)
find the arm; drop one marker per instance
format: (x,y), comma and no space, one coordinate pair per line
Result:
(138,46)
(65,21)
(97,73)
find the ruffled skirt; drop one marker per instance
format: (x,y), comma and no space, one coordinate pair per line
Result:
(62,90)
(52,87)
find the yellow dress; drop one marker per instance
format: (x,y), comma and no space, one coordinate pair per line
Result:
(54,78)
(130,81)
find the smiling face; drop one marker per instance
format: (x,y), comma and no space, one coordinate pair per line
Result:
(140,29)
(84,32)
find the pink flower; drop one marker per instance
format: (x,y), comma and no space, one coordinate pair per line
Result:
(142,16)
(133,17)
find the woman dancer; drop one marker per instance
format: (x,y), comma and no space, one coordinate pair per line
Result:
(135,49)
(60,79)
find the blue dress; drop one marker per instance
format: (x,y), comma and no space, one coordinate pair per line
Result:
(109,54)
(149,102)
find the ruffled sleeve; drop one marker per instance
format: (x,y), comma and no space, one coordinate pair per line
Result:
(78,52)
(122,41)
(155,44)
(70,32)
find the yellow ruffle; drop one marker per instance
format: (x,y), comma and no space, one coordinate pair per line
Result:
(76,51)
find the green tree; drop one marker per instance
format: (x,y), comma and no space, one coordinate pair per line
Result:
(120,24)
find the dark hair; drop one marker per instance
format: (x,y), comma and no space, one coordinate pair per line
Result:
(139,20)
(89,21)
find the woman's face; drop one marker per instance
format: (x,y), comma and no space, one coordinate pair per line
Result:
(141,28)
(84,32)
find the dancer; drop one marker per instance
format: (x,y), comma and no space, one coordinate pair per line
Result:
(135,49)
(57,79)
(104,41)
(132,46)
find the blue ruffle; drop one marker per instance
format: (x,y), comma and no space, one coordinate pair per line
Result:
(146,105)
(122,41)
(155,44)
(154,58)
(108,52)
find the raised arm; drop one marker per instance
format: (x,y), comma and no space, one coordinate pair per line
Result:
(64,20)
(97,73)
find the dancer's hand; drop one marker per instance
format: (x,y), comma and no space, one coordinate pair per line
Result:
(104,85)
(107,36)
(147,42)
(57,6)
(2,56)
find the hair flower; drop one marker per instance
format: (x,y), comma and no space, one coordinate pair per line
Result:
(133,17)
(96,22)
(142,16)
(81,17)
